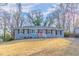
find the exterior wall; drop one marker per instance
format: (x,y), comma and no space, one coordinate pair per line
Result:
(51,35)
(22,35)
(62,34)
(59,34)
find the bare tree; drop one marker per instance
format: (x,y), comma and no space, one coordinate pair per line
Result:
(50,19)
(62,7)
(17,15)
(5,21)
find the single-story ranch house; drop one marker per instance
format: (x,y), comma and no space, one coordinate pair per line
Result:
(37,32)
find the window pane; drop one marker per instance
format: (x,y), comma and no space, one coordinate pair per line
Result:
(18,31)
(56,32)
(33,31)
(46,31)
(28,31)
(60,32)
(51,31)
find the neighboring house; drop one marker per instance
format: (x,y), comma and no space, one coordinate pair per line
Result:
(37,32)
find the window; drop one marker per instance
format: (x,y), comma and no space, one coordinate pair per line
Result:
(18,31)
(56,32)
(48,31)
(33,31)
(38,30)
(60,32)
(28,31)
(51,31)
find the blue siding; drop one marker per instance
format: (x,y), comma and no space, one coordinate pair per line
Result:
(50,35)
(35,35)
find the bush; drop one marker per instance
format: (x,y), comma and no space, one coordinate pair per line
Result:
(7,37)
(67,34)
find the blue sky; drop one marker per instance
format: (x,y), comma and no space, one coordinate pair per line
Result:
(27,7)
(43,7)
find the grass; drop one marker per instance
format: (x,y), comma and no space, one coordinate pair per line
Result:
(34,47)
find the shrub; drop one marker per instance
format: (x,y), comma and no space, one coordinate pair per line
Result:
(67,34)
(7,37)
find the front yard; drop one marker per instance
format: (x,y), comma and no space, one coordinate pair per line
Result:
(34,47)
(52,46)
